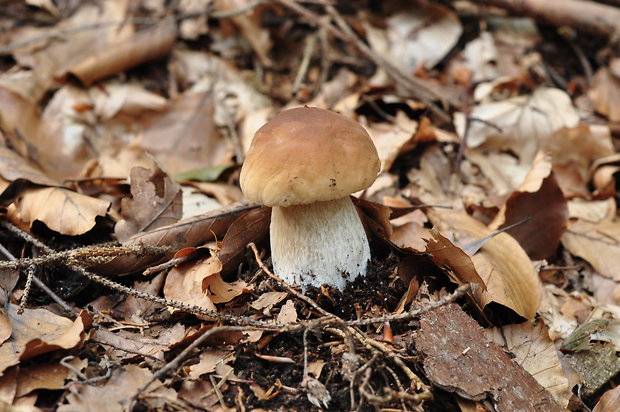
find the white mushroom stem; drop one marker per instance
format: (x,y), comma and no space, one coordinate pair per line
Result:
(318,243)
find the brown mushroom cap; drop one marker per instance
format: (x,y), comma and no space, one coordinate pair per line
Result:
(307,155)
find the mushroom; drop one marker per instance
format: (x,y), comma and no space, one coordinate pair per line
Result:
(304,163)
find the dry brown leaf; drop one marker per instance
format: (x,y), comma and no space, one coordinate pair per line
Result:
(609,402)
(410,236)
(5,327)
(193,231)
(156,201)
(268,300)
(62,210)
(47,376)
(111,396)
(53,55)
(38,331)
(8,386)
(194,391)
(572,152)
(13,167)
(503,265)
(605,92)
(185,282)
(252,226)
(249,25)
(417,35)
(593,211)
(149,44)
(459,358)
(209,361)
(390,138)
(287,313)
(597,243)
(540,206)
(537,354)
(518,123)
(185,136)
(446,255)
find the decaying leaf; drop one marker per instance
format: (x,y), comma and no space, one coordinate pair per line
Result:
(155,201)
(62,210)
(609,402)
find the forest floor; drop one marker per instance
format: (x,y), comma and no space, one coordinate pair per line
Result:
(135,276)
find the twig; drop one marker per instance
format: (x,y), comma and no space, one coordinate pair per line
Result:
(166,265)
(460,291)
(27,287)
(305,62)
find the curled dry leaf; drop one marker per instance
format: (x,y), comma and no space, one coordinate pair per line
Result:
(505,268)
(268,300)
(537,354)
(391,138)
(156,200)
(149,44)
(597,243)
(200,284)
(287,313)
(38,331)
(5,327)
(609,402)
(540,206)
(518,123)
(252,226)
(446,255)
(62,210)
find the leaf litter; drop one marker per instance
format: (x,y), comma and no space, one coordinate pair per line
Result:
(136,276)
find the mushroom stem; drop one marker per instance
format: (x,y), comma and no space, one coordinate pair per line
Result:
(318,243)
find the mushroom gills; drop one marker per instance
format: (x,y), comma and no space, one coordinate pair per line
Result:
(318,243)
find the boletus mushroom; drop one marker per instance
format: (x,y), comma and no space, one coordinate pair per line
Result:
(305,163)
